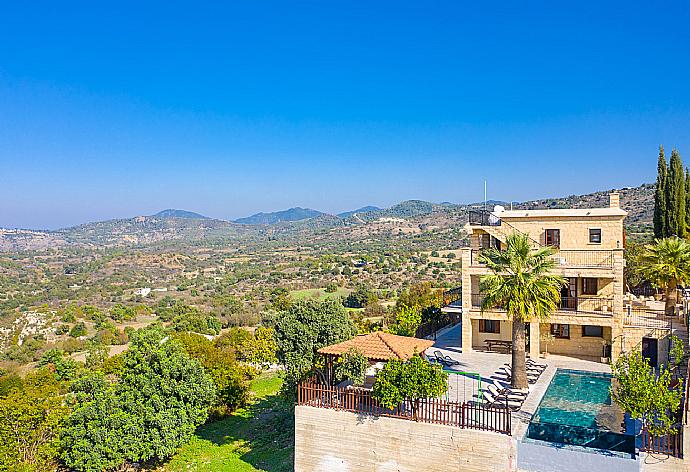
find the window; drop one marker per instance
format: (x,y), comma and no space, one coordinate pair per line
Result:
(595,236)
(490,326)
(589,286)
(561,331)
(592,332)
(484,241)
(553,237)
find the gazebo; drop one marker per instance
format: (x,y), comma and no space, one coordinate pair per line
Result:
(378,347)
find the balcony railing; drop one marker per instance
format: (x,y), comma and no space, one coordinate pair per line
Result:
(592,306)
(571,258)
(584,258)
(596,306)
(646,318)
(483,218)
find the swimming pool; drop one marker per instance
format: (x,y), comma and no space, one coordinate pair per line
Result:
(577,410)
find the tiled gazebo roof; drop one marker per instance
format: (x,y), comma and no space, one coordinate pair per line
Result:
(380,346)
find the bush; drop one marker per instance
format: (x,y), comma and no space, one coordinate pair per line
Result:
(120,312)
(411,380)
(362,296)
(331,288)
(230,378)
(63,367)
(30,417)
(78,330)
(161,397)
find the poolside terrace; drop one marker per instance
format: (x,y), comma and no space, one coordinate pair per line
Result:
(465,387)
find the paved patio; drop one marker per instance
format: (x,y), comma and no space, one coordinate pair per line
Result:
(463,387)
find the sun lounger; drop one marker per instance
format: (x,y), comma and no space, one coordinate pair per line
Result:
(504,373)
(536,364)
(446,360)
(528,368)
(504,394)
(502,386)
(501,402)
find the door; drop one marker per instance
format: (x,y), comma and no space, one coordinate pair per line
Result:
(569,295)
(650,350)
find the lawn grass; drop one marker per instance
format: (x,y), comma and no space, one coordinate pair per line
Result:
(257,438)
(319,293)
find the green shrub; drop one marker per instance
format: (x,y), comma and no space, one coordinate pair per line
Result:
(78,330)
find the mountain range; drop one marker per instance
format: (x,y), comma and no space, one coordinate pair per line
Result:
(182,225)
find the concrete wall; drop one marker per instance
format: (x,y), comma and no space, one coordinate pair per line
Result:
(337,441)
(546,457)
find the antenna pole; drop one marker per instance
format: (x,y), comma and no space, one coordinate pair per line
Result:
(485,195)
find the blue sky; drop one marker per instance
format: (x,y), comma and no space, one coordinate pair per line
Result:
(126,109)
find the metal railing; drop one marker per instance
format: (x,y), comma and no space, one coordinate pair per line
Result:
(584,258)
(430,410)
(575,258)
(646,318)
(597,306)
(483,218)
(670,444)
(438,323)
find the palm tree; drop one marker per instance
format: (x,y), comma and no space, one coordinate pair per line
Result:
(520,282)
(666,264)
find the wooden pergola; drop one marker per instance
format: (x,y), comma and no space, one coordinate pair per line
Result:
(376,347)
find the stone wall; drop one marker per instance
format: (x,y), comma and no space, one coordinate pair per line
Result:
(337,441)
(574,231)
(577,345)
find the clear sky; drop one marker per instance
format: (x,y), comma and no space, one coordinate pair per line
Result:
(229,108)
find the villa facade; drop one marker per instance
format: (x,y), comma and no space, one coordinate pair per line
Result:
(594,319)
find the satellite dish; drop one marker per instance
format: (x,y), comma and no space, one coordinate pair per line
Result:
(499,208)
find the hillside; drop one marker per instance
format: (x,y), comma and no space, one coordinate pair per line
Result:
(148,229)
(301,224)
(172,213)
(364,209)
(291,214)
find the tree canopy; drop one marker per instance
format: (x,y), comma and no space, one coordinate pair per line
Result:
(644,395)
(304,328)
(410,380)
(666,264)
(161,397)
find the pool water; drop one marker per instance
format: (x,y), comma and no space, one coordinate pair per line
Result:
(577,410)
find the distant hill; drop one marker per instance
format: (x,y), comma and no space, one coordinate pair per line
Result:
(292,214)
(305,223)
(172,213)
(364,209)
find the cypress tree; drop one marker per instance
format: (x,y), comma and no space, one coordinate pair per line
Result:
(687,201)
(660,196)
(675,196)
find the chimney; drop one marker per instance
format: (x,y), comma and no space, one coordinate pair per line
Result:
(614,200)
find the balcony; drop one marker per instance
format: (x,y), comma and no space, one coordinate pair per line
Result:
(483,218)
(570,258)
(567,305)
